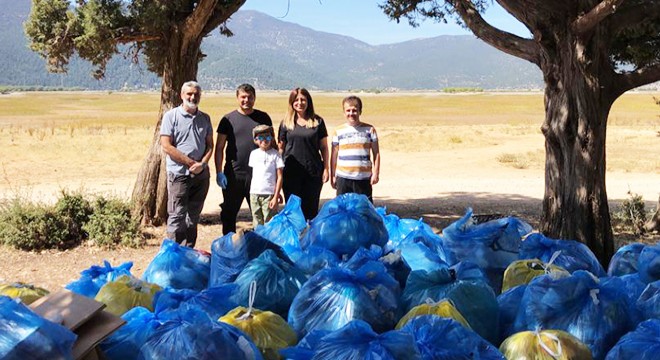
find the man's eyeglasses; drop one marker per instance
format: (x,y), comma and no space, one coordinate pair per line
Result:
(263,137)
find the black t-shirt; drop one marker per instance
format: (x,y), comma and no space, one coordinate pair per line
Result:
(238,129)
(302,150)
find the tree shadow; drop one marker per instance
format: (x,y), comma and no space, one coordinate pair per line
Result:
(441,211)
(438,211)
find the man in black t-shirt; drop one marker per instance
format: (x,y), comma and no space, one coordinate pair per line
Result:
(234,145)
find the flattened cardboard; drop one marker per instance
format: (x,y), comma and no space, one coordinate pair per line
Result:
(82,315)
(67,308)
(92,332)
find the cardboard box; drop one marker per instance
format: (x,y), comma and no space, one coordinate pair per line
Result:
(82,315)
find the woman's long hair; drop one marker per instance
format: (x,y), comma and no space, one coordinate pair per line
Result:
(291,116)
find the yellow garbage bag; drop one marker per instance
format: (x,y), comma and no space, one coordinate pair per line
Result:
(26,292)
(523,271)
(125,293)
(269,331)
(443,308)
(544,345)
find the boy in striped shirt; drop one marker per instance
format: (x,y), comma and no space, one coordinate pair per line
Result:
(353,145)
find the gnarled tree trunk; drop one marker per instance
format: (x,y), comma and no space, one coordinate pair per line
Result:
(150,191)
(577,101)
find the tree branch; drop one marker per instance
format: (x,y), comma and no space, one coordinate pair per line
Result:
(587,22)
(504,41)
(631,80)
(196,22)
(221,15)
(633,15)
(126,36)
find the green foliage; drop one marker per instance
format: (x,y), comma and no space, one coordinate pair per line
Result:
(632,213)
(48,28)
(111,224)
(29,226)
(94,29)
(639,44)
(631,42)
(26,225)
(75,211)
(97,25)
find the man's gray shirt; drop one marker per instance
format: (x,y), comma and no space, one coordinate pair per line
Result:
(188,134)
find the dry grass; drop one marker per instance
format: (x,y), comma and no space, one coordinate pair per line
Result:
(44,135)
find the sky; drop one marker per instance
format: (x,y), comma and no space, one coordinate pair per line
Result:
(365,21)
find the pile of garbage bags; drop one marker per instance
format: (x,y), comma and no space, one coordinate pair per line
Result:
(357,282)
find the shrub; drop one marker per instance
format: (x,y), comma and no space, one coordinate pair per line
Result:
(633,213)
(28,226)
(75,209)
(111,224)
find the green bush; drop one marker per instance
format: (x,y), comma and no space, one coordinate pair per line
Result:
(111,224)
(74,209)
(28,226)
(632,213)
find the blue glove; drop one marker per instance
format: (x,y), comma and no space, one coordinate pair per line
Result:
(221,179)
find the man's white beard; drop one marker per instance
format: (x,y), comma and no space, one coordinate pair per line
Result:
(190,105)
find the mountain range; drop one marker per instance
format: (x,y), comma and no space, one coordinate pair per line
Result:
(275,54)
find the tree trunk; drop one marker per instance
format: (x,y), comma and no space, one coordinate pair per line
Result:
(577,104)
(150,191)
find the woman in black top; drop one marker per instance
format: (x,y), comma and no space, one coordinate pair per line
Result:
(303,142)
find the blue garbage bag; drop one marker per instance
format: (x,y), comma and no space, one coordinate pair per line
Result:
(596,313)
(393,262)
(422,249)
(178,267)
(467,288)
(230,253)
(443,338)
(632,286)
(277,283)
(643,343)
(305,348)
(92,280)
(624,261)
(314,259)
(492,245)
(356,340)
(285,227)
(333,297)
(648,302)
(649,263)
(192,334)
(26,335)
(125,343)
(573,255)
(344,224)
(169,299)
(215,301)
(397,228)
(509,304)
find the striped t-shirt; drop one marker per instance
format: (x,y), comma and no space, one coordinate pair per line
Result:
(354,147)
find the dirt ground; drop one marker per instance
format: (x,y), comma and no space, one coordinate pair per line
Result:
(436,186)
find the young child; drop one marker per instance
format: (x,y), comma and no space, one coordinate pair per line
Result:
(266,163)
(353,144)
